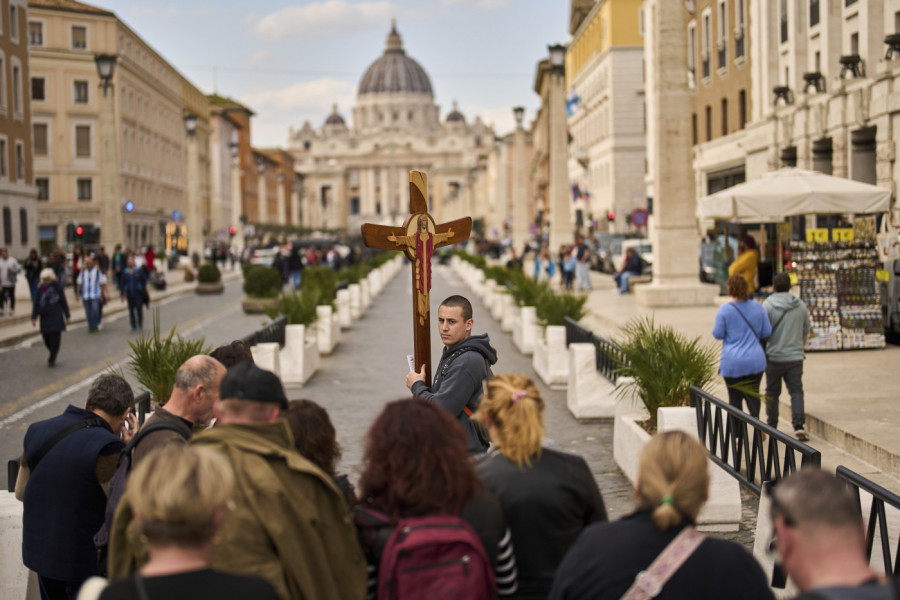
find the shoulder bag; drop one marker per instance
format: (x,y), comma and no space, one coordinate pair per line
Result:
(762,341)
(649,582)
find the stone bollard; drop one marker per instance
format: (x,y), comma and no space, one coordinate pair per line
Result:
(266,356)
(14,577)
(589,395)
(376,280)
(510,316)
(551,360)
(365,296)
(328,329)
(299,357)
(722,511)
(355,301)
(343,308)
(526,330)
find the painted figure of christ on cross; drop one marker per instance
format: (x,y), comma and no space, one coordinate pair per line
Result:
(418,238)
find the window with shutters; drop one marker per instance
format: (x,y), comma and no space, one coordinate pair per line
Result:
(83,141)
(39,139)
(85,189)
(79,37)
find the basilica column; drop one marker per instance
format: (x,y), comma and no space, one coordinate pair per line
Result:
(674,235)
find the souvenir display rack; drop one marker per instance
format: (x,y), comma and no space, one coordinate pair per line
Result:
(837,283)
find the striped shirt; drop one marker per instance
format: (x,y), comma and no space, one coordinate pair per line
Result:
(91,282)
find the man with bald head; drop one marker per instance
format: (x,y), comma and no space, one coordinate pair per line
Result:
(195,392)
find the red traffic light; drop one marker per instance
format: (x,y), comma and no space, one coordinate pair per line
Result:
(232,230)
(79,230)
(611,215)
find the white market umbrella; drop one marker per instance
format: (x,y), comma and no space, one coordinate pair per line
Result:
(790,192)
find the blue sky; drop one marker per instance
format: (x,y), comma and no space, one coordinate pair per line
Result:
(290,61)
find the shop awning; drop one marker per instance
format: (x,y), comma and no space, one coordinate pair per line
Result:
(790,192)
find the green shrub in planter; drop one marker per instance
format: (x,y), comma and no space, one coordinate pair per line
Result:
(154,360)
(553,308)
(663,364)
(322,277)
(497,273)
(526,291)
(209,273)
(262,282)
(354,273)
(300,309)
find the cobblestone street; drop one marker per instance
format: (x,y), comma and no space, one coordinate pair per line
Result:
(368,368)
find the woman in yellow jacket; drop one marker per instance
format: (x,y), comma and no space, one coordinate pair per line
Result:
(746,263)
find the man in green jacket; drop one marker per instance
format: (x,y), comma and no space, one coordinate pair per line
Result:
(288,522)
(784,352)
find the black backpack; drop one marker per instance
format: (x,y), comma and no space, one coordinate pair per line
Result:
(480,429)
(117,486)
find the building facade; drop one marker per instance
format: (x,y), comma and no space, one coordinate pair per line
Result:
(18,204)
(607,118)
(151,195)
(359,173)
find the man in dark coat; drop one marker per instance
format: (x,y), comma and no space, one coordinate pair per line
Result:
(67,462)
(464,365)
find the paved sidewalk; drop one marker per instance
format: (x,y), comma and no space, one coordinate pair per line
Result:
(852,398)
(14,329)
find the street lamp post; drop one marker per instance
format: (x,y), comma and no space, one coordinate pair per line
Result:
(194,210)
(560,217)
(263,212)
(111,225)
(237,196)
(520,219)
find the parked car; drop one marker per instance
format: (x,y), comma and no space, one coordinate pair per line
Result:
(263,256)
(601,248)
(643,247)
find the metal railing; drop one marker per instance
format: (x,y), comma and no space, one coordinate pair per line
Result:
(738,443)
(877,517)
(609,354)
(271,333)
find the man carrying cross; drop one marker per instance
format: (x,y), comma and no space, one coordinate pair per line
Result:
(464,365)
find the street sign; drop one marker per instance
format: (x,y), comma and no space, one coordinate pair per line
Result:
(639,217)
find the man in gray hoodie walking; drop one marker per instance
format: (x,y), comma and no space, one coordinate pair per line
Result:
(784,353)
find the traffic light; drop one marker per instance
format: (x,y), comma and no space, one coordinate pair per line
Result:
(611,215)
(232,230)
(79,232)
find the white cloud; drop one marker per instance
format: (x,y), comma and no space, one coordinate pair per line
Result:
(328,17)
(278,109)
(260,57)
(479,4)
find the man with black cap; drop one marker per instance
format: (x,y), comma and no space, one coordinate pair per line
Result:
(289,523)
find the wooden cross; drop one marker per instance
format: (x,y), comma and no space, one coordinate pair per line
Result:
(418,238)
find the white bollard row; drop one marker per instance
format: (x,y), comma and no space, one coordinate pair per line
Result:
(298,360)
(550,359)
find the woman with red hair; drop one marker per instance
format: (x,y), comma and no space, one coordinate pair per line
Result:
(416,465)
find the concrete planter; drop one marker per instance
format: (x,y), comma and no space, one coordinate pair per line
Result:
(550,359)
(526,330)
(343,308)
(365,296)
(14,575)
(355,301)
(214,287)
(589,395)
(299,358)
(328,329)
(510,317)
(722,512)
(266,356)
(254,306)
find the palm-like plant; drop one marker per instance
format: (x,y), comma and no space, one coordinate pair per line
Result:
(154,360)
(663,364)
(300,309)
(552,308)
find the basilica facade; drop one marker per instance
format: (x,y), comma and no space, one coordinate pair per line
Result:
(359,172)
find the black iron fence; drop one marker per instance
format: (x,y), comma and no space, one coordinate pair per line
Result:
(271,333)
(748,449)
(609,355)
(142,401)
(877,517)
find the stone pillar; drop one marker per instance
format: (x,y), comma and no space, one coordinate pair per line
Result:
(520,202)
(295,204)
(194,204)
(675,238)
(237,197)
(279,201)
(262,200)
(111,226)
(558,192)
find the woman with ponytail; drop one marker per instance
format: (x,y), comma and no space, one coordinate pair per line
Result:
(672,487)
(548,497)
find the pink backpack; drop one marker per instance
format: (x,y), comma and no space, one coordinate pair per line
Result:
(438,556)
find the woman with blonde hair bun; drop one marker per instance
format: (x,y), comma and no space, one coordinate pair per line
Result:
(547,496)
(672,486)
(179,495)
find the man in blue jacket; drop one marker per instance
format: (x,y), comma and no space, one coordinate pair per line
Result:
(784,352)
(67,464)
(464,365)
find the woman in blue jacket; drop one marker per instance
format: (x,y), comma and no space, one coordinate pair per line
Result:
(741,325)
